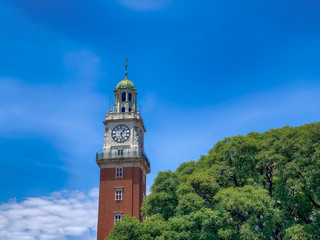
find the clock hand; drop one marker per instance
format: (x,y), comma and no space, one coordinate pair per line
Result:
(121,134)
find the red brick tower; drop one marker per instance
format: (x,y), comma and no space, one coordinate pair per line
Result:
(122,161)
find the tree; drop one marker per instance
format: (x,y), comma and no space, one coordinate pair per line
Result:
(246,213)
(258,186)
(127,229)
(163,199)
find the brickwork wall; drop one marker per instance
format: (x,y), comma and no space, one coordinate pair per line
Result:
(133,190)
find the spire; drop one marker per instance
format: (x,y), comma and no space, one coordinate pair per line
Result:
(125,83)
(126,72)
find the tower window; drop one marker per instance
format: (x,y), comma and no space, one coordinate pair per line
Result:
(123,97)
(120,152)
(119,172)
(118,194)
(117,217)
(130,97)
(123,109)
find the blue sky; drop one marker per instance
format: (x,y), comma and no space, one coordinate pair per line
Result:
(204,70)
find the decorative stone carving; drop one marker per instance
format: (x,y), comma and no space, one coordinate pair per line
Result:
(141,139)
(135,136)
(106,138)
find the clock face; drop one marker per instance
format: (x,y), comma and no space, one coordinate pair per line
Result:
(120,133)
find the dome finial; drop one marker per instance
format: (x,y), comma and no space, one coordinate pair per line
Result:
(125,83)
(126,72)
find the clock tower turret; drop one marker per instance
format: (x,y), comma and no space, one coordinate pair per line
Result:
(122,161)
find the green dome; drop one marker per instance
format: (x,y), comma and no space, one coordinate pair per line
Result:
(125,83)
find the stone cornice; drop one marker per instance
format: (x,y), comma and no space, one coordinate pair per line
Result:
(131,161)
(110,119)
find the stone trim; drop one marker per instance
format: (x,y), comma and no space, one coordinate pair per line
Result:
(114,163)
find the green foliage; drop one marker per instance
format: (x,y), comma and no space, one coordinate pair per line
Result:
(128,229)
(164,199)
(259,186)
(152,227)
(297,232)
(247,213)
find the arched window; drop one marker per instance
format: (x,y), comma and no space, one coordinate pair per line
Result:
(130,97)
(129,109)
(123,97)
(123,109)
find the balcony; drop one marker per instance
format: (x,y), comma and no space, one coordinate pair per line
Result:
(115,154)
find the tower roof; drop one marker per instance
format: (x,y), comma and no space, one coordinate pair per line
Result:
(125,83)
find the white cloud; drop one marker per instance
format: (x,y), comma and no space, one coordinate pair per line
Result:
(55,217)
(145,5)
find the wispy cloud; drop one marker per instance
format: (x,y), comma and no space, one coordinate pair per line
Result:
(189,133)
(55,217)
(68,114)
(54,110)
(145,5)
(51,108)
(185,134)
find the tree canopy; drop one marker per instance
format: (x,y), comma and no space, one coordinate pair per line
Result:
(258,186)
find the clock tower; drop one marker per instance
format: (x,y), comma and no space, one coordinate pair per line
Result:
(122,161)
